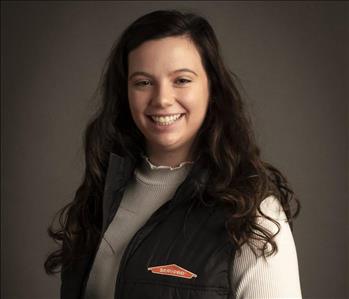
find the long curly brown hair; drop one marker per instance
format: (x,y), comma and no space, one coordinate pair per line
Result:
(225,143)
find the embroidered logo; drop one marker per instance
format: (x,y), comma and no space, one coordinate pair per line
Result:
(172,270)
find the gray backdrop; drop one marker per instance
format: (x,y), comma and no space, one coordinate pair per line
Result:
(292,60)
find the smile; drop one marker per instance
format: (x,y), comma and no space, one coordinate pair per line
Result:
(166,120)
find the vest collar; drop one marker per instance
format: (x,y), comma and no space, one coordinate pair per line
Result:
(120,170)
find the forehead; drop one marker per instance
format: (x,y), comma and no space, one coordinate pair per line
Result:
(164,55)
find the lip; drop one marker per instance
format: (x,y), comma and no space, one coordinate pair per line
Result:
(165,114)
(167,128)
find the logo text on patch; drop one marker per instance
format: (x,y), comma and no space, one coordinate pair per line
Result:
(172,270)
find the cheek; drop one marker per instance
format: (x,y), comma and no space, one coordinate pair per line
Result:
(136,103)
(134,109)
(196,104)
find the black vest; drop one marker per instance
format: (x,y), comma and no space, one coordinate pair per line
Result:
(183,251)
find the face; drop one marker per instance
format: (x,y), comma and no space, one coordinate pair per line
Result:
(168,93)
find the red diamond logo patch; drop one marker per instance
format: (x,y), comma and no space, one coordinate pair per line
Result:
(172,270)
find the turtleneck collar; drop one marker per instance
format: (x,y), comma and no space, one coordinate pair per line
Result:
(151,174)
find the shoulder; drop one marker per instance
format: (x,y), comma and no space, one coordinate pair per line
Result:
(272,207)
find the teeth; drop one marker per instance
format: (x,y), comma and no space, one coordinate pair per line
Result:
(166,120)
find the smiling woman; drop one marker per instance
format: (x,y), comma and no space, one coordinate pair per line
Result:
(170,111)
(176,201)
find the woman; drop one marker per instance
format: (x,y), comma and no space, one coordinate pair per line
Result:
(176,201)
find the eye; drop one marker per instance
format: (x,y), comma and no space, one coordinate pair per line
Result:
(142,83)
(183,81)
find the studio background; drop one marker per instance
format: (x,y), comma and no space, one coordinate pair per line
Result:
(292,59)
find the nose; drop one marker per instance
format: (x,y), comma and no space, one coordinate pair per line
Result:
(163,96)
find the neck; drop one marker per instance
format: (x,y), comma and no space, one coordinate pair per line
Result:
(150,174)
(171,159)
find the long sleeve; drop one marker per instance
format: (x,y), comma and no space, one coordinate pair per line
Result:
(278,276)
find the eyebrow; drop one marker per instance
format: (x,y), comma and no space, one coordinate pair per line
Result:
(149,75)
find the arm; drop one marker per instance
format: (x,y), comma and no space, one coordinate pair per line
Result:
(278,276)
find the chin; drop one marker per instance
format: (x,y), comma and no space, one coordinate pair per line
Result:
(168,145)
